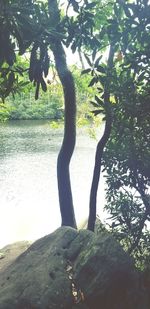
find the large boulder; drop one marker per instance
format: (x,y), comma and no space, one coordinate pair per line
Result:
(9,253)
(71,269)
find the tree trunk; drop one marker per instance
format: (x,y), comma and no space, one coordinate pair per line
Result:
(96,174)
(67,148)
(100,147)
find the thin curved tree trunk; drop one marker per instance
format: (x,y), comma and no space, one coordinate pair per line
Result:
(67,148)
(96,174)
(100,148)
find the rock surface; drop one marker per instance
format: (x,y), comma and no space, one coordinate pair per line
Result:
(9,253)
(71,269)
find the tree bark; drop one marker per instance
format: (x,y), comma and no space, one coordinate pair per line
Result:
(96,174)
(100,147)
(68,144)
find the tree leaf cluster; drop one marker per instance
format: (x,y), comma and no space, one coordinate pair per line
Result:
(11,80)
(126,157)
(126,163)
(79,28)
(24,26)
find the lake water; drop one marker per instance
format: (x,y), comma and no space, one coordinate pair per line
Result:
(29,206)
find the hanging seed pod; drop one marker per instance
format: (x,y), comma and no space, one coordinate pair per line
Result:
(46,64)
(39,65)
(43,85)
(11,78)
(33,62)
(37,91)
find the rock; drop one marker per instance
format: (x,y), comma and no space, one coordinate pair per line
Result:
(9,253)
(1,256)
(70,269)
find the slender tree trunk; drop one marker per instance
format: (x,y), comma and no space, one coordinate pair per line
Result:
(100,147)
(96,174)
(67,148)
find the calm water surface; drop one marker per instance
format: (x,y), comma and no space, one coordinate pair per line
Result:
(29,205)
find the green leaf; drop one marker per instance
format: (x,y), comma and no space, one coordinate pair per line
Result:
(86,71)
(93,81)
(127,11)
(102,80)
(94,104)
(88,60)
(100,89)
(75,5)
(141,77)
(100,69)
(74,46)
(94,54)
(90,5)
(97,61)
(98,111)
(116,10)
(99,100)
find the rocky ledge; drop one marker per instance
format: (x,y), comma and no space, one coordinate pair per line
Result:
(72,269)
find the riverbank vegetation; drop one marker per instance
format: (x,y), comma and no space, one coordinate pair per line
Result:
(113,41)
(23,106)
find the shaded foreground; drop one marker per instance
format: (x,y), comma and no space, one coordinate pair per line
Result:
(72,269)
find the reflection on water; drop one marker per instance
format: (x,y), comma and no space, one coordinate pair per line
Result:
(28,184)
